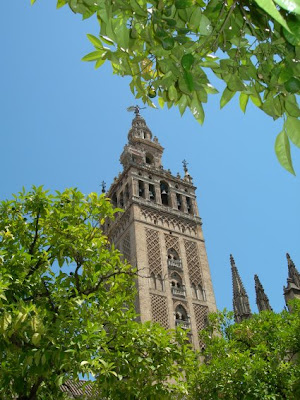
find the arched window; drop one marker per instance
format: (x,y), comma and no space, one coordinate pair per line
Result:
(126,193)
(151,192)
(164,191)
(141,189)
(149,158)
(172,254)
(173,259)
(152,281)
(176,280)
(189,205)
(179,201)
(121,199)
(114,200)
(181,316)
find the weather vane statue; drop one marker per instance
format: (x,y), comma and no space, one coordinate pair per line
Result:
(103,185)
(185,164)
(136,109)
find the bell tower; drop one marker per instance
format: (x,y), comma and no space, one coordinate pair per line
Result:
(160,232)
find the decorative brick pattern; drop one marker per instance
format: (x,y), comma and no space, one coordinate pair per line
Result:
(126,247)
(201,313)
(160,310)
(193,262)
(153,251)
(172,242)
(175,223)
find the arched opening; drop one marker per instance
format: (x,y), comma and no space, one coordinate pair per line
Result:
(151,192)
(189,205)
(177,287)
(173,259)
(181,317)
(114,200)
(141,189)
(179,201)
(126,193)
(164,191)
(121,199)
(149,158)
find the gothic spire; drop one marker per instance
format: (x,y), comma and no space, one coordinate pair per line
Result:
(293,273)
(241,305)
(262,300)
(292,289)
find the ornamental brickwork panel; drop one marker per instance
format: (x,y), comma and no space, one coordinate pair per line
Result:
(159,310)
(172,242)
(153,252)
(193,262)
(201,313)
(126,247)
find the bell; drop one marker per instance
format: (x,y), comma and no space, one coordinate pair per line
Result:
(164,192)
(151,195)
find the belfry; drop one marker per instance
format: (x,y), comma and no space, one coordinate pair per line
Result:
(160,233)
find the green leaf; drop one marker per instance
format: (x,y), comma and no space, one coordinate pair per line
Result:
(187,61)
(36,338)
(292,128)
(95,41)
(183,3)
(99,62)
(168,43)
(283,152)
(244,101)
(270,8)
(197,110)
(235,83)
(188,78)
(291,106)
(60,3)
(256,100)
(172,93)
(289,5)
(95,55)
(161,102)
(32,1)
(292,85)
(227,95)
(205,27)
(182,104)
(293,36)
(195,19)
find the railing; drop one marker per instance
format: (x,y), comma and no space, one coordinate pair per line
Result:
(182,324)
(174,263)
(178,291)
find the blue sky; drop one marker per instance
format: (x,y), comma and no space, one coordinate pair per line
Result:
(64,124)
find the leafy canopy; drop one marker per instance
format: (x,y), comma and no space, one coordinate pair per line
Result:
(170,48)
(67,305)
(255,359)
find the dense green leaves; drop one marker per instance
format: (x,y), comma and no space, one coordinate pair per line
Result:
(67,305)
(170,44)
(256,359)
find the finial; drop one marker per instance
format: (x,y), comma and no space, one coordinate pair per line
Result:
(232,262)
(136,109)
(185,164)
(103,185)
(288,256)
